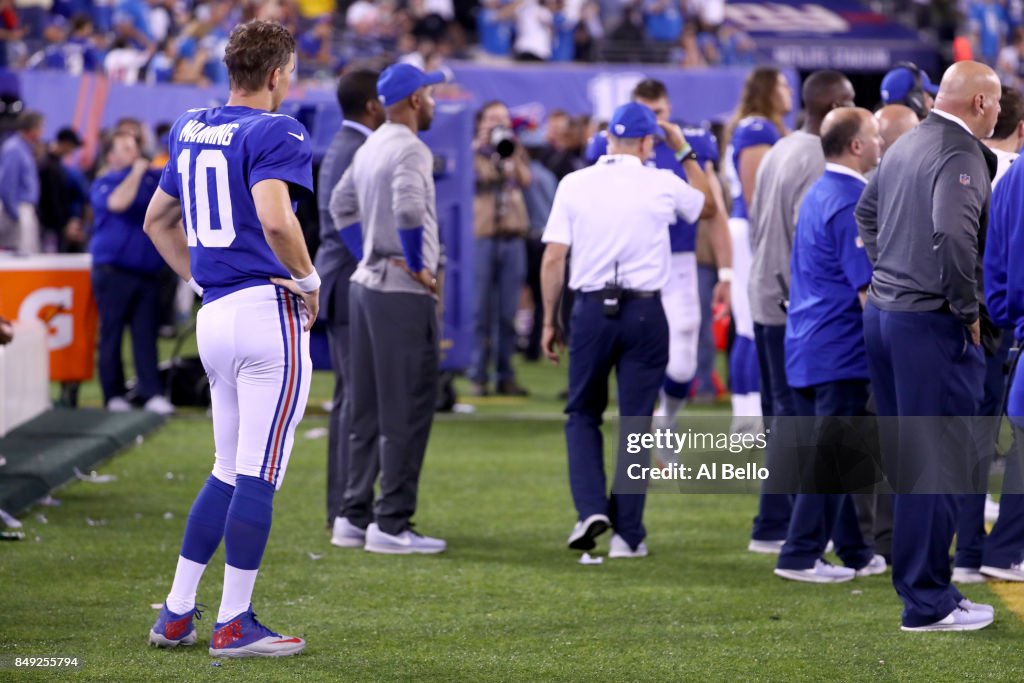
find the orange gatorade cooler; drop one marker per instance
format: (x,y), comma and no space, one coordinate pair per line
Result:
(55,288)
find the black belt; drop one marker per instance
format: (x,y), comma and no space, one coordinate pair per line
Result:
(624,294)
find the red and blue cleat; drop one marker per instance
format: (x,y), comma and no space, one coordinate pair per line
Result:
(243,636)
(172,630)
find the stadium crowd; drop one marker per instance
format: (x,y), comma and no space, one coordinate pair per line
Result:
(164,41)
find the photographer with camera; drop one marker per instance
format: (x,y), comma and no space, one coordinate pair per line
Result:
(500,225)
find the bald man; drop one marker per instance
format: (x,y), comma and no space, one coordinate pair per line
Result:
(920,219)
(893,121)
(826,364)
(785,173)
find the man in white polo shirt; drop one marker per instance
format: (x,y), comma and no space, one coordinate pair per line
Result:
(615,215)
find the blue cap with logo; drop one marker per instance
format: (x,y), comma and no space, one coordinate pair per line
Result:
(899,82)
(633,120)
(399,81)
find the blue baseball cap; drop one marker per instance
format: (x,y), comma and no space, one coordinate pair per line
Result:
(633,120)
(898,83)
(401,80)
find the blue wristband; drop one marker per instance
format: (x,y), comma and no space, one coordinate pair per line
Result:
(412,247)
(352,236)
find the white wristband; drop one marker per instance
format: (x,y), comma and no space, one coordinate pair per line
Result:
(310,283)
(725,274)
(195,286)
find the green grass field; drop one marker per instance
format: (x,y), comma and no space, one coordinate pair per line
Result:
(506,602)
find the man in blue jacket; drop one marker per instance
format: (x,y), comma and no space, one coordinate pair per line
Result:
(826,364)
(125,269)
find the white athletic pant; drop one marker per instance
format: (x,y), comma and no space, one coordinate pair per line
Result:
(739,230)
(257,357)
(681,300)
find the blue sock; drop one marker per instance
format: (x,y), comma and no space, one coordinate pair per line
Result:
(248,522)
(676,389)
(205,525)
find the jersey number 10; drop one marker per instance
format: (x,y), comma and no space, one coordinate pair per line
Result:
(202,232)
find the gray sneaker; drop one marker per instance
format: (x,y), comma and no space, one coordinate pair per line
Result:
(406,543)
(346,534)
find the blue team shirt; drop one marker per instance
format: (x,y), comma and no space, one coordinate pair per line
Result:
(749,132)
(1004,286)
(682,235)
(117,238)
(824,326)
(238,147)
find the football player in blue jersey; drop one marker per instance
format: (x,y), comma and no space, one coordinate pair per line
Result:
(232,178)
(755,127)
(680,297)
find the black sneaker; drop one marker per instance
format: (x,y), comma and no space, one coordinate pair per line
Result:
(584,533)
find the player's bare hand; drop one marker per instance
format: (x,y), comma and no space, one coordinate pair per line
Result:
(310,300)
(975,330)
(427,279)
(673,135)
(552,343)
(140,165)
(721,299)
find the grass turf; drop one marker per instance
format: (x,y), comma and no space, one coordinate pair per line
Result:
(506,602)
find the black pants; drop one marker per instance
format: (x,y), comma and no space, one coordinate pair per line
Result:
(126,299)
(394,362)
(635,346)
(341,405)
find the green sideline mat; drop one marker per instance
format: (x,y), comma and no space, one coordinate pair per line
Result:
(43,453)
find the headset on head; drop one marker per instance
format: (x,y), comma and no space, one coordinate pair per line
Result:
(915,96)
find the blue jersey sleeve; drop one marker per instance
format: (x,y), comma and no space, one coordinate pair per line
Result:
(850,248)
(704,144)
(169,178)
(994,259)
(281,151)
(754,131)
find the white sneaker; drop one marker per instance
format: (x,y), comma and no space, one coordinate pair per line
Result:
(1015,572)
(965,575)
(976,606)
(765,547)
(991,509)
(876,566)
(159,405)
(957,620)
(619,548)
(406,543)
(118,404)
(347,535)
(821,572)
(830,547)
(584,533)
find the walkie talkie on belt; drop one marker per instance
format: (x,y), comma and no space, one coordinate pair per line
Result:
(612,295)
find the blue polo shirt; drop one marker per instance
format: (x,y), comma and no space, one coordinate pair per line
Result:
(1004,286)
(117,238)
(824,327)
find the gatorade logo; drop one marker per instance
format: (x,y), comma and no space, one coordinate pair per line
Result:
(52,305)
